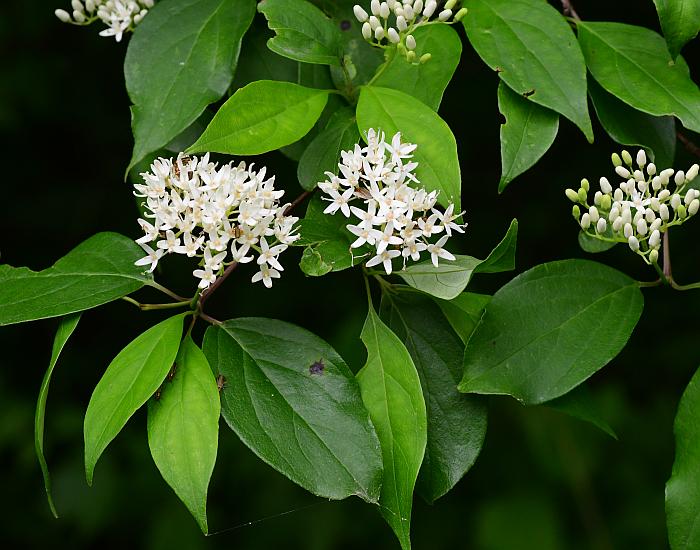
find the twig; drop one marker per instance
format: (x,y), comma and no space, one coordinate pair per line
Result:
(296,202)
(667,258)
(209,319)
(569,9)
(689,145)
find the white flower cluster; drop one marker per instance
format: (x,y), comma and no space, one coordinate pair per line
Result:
(641,208)
(120,16)
(392,22)
(201,210)
(398,218)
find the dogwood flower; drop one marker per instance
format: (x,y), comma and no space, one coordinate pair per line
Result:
(641,208)
(220,215)
(397,217)
(120,16)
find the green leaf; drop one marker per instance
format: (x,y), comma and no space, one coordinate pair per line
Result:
(99,270)
(680,22)
(683,489)
(579,403)
(393,111)
(261,117)
(391,391)
(183,429)
(65,328)
(464,312)
(292,399)
(323,153)
(326,239)
(303,32)
(181,58)
(456,422)
(131,378)
(534,51)
(549,329)
(526,135)
(657,135)
(633,64)
(450,278)
(425,81)
(592,245)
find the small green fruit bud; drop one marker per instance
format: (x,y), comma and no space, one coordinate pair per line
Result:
(410,56)
(461,14)
(576,212)
(682,212)
(616,159)
(626,157)
(606,202)
(571,195)
(582,195)
(654,256)
(425,57)
(585,184)
(450,4)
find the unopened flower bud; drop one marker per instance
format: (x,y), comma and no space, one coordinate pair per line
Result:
(425,58)
(656,224)
(633,243)
(366,31)
(63,15)
(601,226)
(617,195)
(692,172)
(401,23)
(663,212)
(641,158)
(649,215)
(675,201)
(693,207)
(461,14)
(655,204)
(576,212)
(384,10)
(656,183)
(374,22)
(571,195)
(418,6)
(651,169)
(654,256)
(682,212)
(375,7)
(450,4)
(408,13)
(430,8)
(617,224)
(605,202)
(445,15)
(410,42)
(664,195)
(78,16)
(666,174)
(638,175)
(596,198)
(622,171)
(689,196)
(593,213)
(378,33)
(582,195)
(616,160)
(585,221)
(626,157)
(77,5)
(585,184)
(605,186)
(393,35)
(642,227)
(655,239)
(679,178)
(360,13)
(628,231)
(410,56)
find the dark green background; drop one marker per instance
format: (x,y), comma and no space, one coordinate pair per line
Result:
(543,480)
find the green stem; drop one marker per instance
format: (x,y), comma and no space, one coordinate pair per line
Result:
(691,286)
(390,54)
(169,292)
(369,292)
(150,307)
(662,276)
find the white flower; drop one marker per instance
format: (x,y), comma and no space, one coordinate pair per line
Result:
(120,16)
(436,251)
(396,216)
(217,214)
(266,274)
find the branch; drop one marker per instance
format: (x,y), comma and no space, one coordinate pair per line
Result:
(689,145)
(296,202)
(569,9)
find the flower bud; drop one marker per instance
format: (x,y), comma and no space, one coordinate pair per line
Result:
(384,10)
(605,202)
(663,212)
(374,22)
(585,221)
(582,196)
(638,175)
(641,158)
(642,186)
(410,42)
(693,207)
(378,33)
(63,15)
(585,184)
(617,224)
(450,4)
(656,224)
(410,56)
(633,243)
(682,212)
(679,178)
(401,23)
(617,195)
(425,58)
(430,8)
(628,231)
(596,198)
(649,215)
(664,195)
(366,30)
(360,13)
(593,213)
(616,160)
(622,172)
(571,195)
(375,7)
(627,215)
(394,37)
(418,6)
(626,157)
(666,174)
(77,5)
(655,182)
(655,239)
(654,256)
(651,169)
(408,13)
(689,196)
(78,16)
(576,212)
(461,14)
(642,227)
(445,15)
(398,10)
(692,172)
(655,204)
(601,226)
(638,215)
(675,201)
(605,186)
